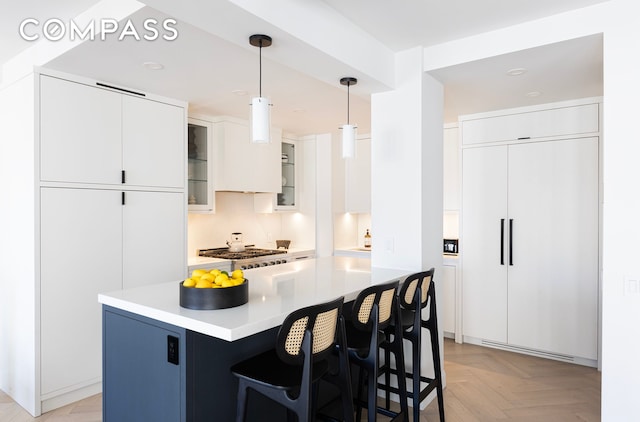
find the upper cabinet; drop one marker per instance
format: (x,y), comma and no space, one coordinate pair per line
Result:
(564,119)
(100,136)
(201,197)
(288,198)
(241,165)
(358,178)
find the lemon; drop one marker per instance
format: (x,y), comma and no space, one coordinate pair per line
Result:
(237,281)
(203,284)
(198,272)
(227,283)
(215,272)
(207,277)
(237,274)
(221,279)
(189,282)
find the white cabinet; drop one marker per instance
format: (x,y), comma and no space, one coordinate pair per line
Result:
(562,119)
(201,196)
(448,303)
(80,133)
(358,178)
(154,235)
(288,198)
(98,232)
(152,143)
(93,243)
(241,165)
(91,135)
(81,256)
(530,245)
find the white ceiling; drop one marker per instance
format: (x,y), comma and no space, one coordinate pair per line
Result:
(204,70)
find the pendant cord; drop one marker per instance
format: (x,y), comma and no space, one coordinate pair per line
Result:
(260,80)
(348,85)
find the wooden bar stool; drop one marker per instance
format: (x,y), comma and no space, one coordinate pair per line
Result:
(373,311)
(290,373)
(417,291)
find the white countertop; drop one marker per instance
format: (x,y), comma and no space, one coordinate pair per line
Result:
(203,260)
(274,292)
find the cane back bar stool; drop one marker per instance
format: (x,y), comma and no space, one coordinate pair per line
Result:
(417,291)
(372,312)
(290,373)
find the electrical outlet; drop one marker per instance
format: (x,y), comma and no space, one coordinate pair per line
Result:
(388,244)
(173,351)
(631,285)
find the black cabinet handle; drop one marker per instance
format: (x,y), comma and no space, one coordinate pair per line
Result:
(502,241)
(122,198)
(123,178)
(511,241)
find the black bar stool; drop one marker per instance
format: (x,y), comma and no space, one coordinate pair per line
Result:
(290,373)
(417,291)
(372,312)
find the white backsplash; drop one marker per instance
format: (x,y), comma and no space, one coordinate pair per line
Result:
(235,213)
(349,230)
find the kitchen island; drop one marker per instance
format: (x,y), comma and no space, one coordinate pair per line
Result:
(165,362)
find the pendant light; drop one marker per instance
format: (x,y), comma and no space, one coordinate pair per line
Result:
(260,107)
(348,130)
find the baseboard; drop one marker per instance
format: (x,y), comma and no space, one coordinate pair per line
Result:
(531,352)
(69,397)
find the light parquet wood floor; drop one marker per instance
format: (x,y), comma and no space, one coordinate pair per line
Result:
(483,384)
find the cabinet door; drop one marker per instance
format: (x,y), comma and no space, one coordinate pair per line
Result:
(154,244)
(484,275)
(448,306)
(80,133)
(358,179)
(553,283)
(199,146)
(153,136)
(140,384)
(80,256)
(560,121)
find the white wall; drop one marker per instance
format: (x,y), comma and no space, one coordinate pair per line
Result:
(406,186)
(621,220)
(406,153)
(19,290)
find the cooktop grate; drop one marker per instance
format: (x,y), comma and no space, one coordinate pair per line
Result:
(224,253)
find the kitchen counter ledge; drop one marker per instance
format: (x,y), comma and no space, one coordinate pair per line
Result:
(274,292)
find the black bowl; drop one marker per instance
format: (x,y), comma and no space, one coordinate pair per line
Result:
(207,299)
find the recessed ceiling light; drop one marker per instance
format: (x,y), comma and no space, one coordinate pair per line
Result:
(516,71)
(239,92)
(533,94)
(153,65)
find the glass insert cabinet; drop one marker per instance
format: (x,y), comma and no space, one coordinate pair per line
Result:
(287,199)
(200,165)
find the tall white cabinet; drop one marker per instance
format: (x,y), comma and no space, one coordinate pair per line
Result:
(112,215)
(530,224)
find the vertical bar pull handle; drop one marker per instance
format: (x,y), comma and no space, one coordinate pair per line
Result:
(511,241)
(123,177)
(122,198)
(502,241)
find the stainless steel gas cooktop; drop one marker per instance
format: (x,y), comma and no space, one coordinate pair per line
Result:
(249,258)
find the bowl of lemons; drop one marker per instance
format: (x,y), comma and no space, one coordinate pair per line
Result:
(214,289)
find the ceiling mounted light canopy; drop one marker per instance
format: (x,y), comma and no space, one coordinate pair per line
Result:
(260,106)
(348,130)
